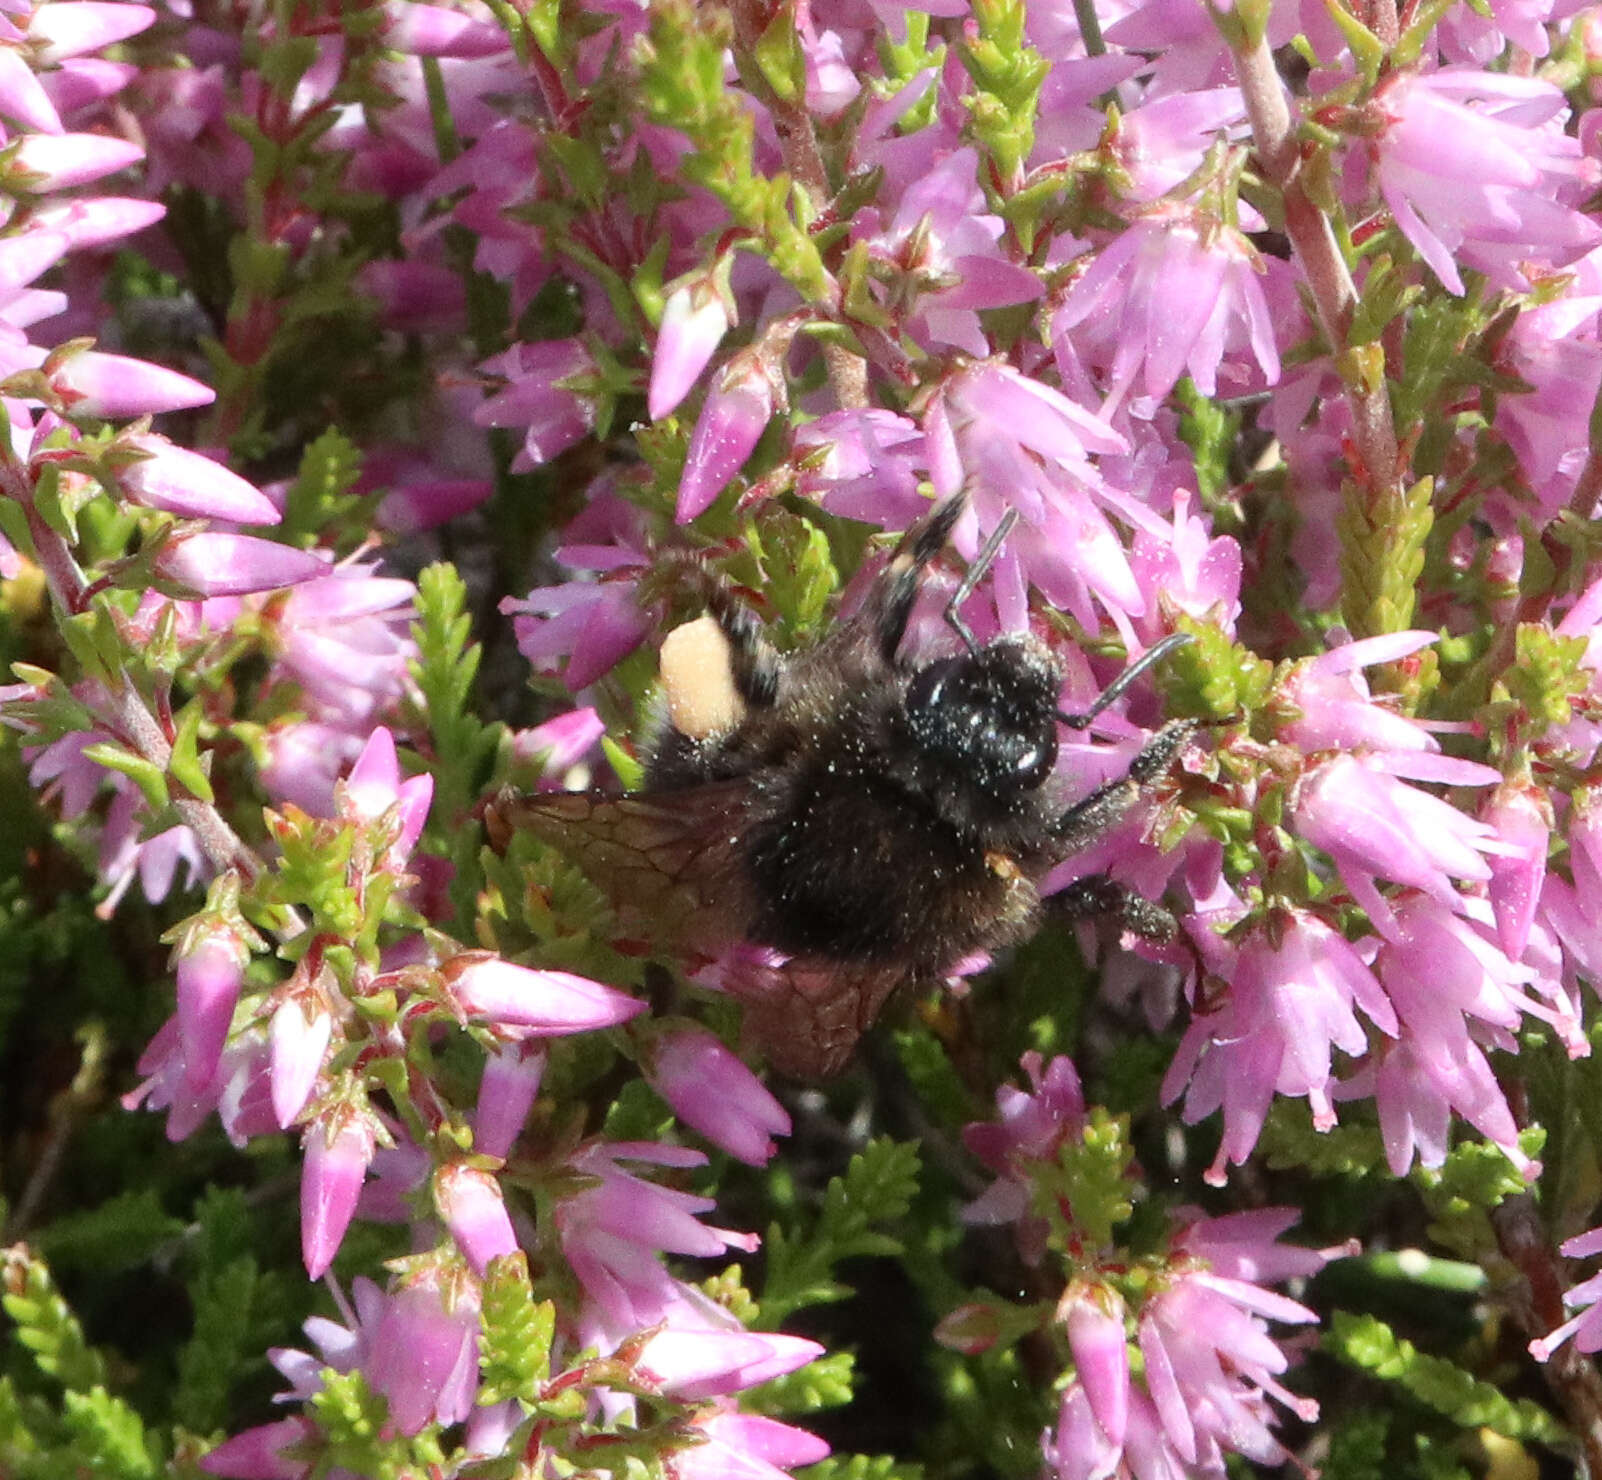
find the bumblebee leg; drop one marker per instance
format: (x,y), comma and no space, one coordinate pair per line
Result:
(1098,897)
(1087,821)
(897,586)
(753,663)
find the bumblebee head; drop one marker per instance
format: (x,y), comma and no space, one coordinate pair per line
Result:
(989,716)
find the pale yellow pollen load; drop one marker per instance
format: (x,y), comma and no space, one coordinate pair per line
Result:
(698,680)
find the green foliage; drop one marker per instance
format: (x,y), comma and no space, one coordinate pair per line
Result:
(862,1467)
(876,1188)
(1460,1195)
(45,1326)
(515,1333)
(1211,431)
(320,499)
(1007,73)
(1368,1344)
(1545,677)
(1382,533)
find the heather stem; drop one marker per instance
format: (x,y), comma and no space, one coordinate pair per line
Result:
(1334,294)
(128,714)
(1570,1374)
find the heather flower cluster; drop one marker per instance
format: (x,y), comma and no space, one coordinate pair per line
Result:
(385,380)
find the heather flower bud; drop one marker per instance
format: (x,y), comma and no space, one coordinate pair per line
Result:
(694,321)
(471,1205)
(339,1146)
(114,387)
(711,1090)
(215,564)
(545,1003)
(692,1365)
(209,973)
(731,423)
(506,1092)
(42,163)
(188,484)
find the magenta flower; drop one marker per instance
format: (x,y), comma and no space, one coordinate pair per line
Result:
(1094,1319)
(472,1208)
(545,394)
(712,1091)
(339,1146)
(1521,816)
(298,1037)
(114,387)
(42,163)
(1330,705)
(1476,168)
(694,1365)
(258,1453)
(743,1446)
(211,966)
(374,787)
(1375,826)
(1168,296)
(694,320)
(72,30)
(185,483)
(731,423)
(533,1003)
(215,564)
(1586,1327)
(1292,991)
(506,1093)
(863,464)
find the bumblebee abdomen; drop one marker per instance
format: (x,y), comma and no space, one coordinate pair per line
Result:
(848,866)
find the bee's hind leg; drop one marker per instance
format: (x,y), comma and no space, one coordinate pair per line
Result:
(754,664)
(1096,897)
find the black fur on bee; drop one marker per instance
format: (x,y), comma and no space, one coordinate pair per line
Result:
(873,817)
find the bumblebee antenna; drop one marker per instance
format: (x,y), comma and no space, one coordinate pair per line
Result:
(976,573)
(1120,685)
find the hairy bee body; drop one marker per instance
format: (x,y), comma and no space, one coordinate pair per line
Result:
(872,819)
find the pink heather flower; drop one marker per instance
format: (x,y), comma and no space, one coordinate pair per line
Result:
(1521,816)
(22,95)
(417,1349)
(1094,1319)
(1553,348)
(862,463)
(72,30)
(1166,298)
(1375,826)
(1586,1327)
(214,564)
(543,395)
(257,1453)
(1290,1001)
(694,320)
(374,787)
(942,243)
(185,483)
(1448,983)
(541,1004)
(1477,169)
(506,1093)
(711,1090)
(1015,442)
(43,163)
(696,1365)
(593,623)
(731,423)
(559,744)
(339,1146)
(472,1208)
(743,1446)
(1030,1126)
(1330,705)
(116,388)
(298,1036)
(96,221)
(437,31)
(1197,572)
(614,1229)
(210,968)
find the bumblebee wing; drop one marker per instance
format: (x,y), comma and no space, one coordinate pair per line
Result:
(806,1014)
(670,856)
